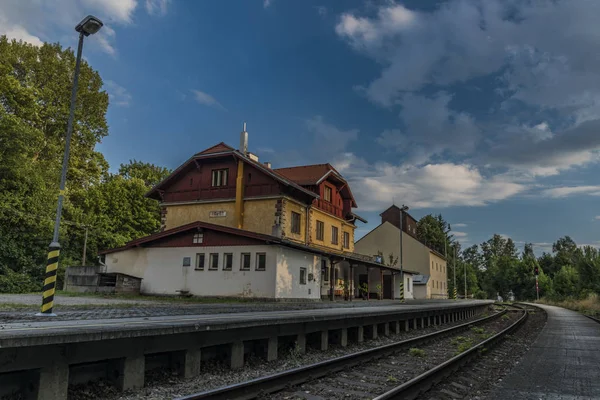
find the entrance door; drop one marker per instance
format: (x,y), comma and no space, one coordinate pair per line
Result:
(387,286)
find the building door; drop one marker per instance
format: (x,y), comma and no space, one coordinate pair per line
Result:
(387,286)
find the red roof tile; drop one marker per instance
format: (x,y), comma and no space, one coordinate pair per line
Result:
(305,174)
(218,148)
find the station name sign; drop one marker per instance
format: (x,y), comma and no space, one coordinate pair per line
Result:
(217,214)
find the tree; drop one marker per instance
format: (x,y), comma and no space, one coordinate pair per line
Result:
(149,173)
(565,282)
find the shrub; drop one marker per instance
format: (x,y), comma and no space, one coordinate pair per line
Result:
(416,352)
(14,282)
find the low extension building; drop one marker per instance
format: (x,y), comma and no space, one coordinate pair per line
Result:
(430,280)
(234,226)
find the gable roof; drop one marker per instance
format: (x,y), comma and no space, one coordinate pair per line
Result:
(305,174)
(220,150)
(217,148)
(192,226)
(312,175)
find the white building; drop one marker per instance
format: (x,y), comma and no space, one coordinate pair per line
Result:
(206,259)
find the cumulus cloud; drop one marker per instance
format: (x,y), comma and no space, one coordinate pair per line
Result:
(431,185)
(459,225)
(597,217)
(327,137)
(117,94)
(537,58)
(267,3)
(459,234)
(207,100)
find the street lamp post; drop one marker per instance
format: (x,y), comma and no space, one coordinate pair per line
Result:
(88,26)
(404,208)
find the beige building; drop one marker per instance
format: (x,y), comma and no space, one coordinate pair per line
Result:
(385,239)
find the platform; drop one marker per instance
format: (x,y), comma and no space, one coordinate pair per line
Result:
(563,363)
(38,357)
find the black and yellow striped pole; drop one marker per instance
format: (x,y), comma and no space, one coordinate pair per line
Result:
(50,280)
(402,209)
(454,293)
(88,26)
(401,288)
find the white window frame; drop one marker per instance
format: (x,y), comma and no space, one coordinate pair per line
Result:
(242,257)
(219,177)
(197,265)
(225,256)
(198,238)
(257,265)
(303,274)
(210,262)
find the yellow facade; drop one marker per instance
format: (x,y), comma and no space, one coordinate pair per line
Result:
(329,221)
(438,281)
(290,206)
(259,215)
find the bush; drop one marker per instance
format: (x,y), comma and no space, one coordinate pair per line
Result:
(481,295)
(416,352)
(14,282)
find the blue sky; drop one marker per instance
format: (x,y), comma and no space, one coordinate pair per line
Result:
(485,111)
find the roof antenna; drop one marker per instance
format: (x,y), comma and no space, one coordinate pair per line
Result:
(244,141)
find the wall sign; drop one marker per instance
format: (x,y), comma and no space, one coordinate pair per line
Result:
(217,214)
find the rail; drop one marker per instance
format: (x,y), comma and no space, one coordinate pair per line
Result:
(273,383)
(414,387)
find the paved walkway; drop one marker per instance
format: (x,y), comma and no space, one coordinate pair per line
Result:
(563,363)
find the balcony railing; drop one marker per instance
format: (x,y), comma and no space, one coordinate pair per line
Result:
(329,208)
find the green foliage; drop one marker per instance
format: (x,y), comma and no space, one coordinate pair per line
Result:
(505,317)
(462,344)
(417,352)
(477,330)
(35,91)
(392,379)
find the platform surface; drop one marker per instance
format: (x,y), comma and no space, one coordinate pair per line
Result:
(45,330)
(563,363)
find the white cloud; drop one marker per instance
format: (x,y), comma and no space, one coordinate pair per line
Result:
(565,191)
(37,21)
(597,217)
(459,225)
(459,234)
(116,10)
(19,33)
(267,3)
(117,95)
(157,7)
(432,185)
(207,100)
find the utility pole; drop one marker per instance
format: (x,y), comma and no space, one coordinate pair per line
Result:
(84,246)
(454,272)
(402,209)
(465,269)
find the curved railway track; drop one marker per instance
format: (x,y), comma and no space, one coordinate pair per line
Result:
(262,387)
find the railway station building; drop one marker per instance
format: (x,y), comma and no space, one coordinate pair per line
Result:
(232,226)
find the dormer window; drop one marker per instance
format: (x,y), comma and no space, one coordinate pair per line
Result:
(327,194)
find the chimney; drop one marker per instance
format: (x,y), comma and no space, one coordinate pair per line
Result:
(268,164)
(244,141)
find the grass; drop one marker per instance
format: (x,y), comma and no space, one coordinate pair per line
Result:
(505,317)
(417,352)
(462,344)
(588,306)
(477,330)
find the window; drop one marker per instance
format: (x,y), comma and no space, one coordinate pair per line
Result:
(219,177)
(346,240)
(200,261)
(245,262)
(327,194)
(214,262)
(320,230)
(295,222)
(334,235)
(444,269)
(303,276)
(432,265)
(261,261)
(324,271)
(198,237)
(227,261)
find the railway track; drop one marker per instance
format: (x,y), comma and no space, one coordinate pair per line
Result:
(373,373)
